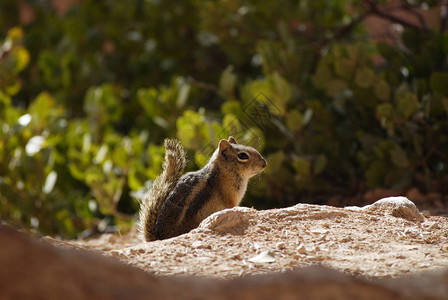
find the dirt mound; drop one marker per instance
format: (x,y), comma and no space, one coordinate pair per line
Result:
(388,239)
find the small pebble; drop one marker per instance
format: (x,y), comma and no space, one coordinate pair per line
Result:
(280,245)
(301,249)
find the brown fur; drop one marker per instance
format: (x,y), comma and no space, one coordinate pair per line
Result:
(177,205)
(175,161)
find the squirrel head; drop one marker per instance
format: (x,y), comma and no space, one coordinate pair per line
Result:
(243,160)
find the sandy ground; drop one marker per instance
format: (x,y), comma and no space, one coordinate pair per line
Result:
(390,238)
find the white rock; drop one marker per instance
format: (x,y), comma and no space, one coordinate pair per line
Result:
(400,207)
(301,249)
(233,220)
(280,245)
(431,225)
(264,257)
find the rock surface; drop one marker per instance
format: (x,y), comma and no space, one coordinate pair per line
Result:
(400,207)
(290,249)
(386,239)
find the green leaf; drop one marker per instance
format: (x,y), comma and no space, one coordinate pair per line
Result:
(282,90)
(50,182)
(407,104)
(365,77)
(22,58)
(13,88)
(294,120)
(307,116)
(41,108)
(75,170)
(102,104)
(274,92)
(417,141)
(375,173)
(94,175)
(335,86)
(5,102)
(322,75)
(302,166)
(319,164)
(192,130)
(398,178)
(182,96)
(385,113)
(101,154)
(148,99)
(49,66)
(232,127)
(15,35)
(155,155)
(384,110)
(136,176)
(231,107)
(344,67)
(120,157)
(439,82)
(399,157)
(382,90)
(445,104)
(201,158)
(227,81)
(275,161)
(254,137)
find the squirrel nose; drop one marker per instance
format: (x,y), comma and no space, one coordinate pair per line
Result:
(264,163)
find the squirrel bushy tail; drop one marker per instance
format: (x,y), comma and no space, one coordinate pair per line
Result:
(175,161)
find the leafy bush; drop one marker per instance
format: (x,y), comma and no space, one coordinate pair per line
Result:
(86,100)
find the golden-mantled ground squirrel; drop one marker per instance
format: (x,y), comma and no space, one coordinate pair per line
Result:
(176,205)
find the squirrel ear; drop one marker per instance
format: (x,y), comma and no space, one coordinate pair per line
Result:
(232,140)
(223,146)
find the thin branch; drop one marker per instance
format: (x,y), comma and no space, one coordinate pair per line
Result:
(375,10)
(443,16)
(339,33)
(411,9)
(343,30)
(203,85)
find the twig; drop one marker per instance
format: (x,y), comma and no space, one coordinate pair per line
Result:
(123,244)
(375,10)
(203,85)
(338,33)
(341,31)
(443,16)
(411,9)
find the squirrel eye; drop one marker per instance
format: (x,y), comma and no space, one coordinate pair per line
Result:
(243,155)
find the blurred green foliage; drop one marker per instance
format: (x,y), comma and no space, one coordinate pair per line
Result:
(87,96)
